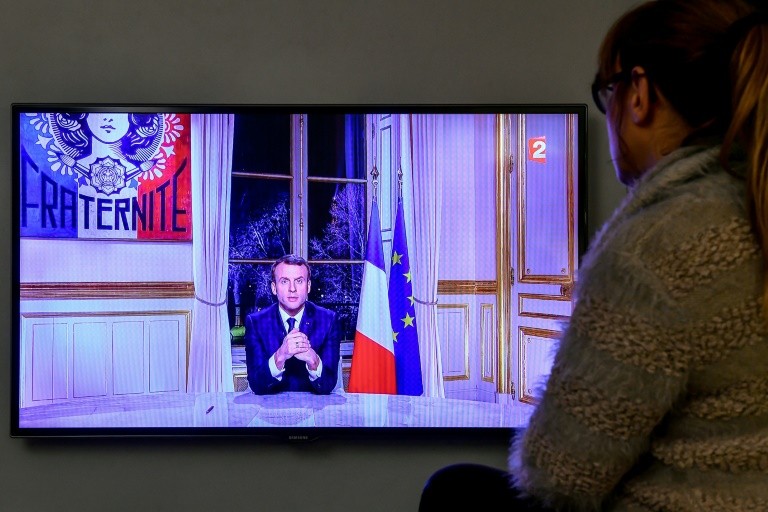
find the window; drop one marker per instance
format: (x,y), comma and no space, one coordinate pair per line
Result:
(298,185)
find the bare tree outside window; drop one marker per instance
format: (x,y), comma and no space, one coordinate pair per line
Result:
(263,216)
(337,285)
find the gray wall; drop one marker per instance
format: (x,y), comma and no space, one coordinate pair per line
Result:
(286,51)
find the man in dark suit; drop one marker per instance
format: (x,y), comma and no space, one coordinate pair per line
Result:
(292,345)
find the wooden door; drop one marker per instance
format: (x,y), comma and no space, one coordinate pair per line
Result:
(541,263)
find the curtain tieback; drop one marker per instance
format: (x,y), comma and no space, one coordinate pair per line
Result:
(425,302)
(217,304)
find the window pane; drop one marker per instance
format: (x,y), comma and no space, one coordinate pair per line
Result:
(259,218)
(336,145)
(337,287)
(248,290)
(336,221)
(262,143)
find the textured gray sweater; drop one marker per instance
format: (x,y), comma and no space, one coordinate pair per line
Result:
(658,395)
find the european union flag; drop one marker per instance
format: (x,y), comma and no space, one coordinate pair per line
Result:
(403,313)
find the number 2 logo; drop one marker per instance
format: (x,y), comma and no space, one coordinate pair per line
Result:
(537,149)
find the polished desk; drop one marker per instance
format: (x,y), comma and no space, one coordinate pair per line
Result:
(295,409)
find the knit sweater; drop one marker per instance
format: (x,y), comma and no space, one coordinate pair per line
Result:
(658,395)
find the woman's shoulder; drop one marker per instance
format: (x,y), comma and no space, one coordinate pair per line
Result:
(682,238)
(700,206)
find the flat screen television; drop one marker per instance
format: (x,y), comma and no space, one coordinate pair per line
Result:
(441,245)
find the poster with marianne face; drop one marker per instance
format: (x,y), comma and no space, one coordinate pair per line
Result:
(113,175)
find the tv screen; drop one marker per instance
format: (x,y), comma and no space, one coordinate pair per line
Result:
(294,271)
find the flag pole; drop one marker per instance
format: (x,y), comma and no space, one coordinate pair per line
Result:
(374,170)
(373,353)
(401,306)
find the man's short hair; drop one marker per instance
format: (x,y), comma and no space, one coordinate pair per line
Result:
(292,259)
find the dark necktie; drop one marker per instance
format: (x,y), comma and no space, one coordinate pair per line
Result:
(291,324)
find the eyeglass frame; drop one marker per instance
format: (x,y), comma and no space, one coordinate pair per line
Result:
(600,88)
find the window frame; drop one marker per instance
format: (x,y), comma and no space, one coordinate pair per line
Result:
(298,204)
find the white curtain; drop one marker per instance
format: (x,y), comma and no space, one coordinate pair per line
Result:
(421,150)
(210,355)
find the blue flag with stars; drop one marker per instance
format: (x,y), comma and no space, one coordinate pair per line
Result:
(403,313)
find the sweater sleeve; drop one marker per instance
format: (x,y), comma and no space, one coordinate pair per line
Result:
(609,388)
(652,304)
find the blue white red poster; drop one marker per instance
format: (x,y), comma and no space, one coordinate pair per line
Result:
(105,175)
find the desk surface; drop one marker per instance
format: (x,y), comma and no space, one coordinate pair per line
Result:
(244,409)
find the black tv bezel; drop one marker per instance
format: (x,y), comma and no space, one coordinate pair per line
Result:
(289,434)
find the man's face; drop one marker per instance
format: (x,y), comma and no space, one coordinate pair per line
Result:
(291,286)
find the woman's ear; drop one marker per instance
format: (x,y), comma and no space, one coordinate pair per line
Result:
(641,96)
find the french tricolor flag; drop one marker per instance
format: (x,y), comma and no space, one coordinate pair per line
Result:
(373,356)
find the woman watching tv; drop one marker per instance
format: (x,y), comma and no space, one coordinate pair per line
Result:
(658,395)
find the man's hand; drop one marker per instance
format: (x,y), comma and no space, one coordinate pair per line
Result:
(310,357)
(296,344)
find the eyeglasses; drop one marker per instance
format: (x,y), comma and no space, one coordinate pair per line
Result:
(603,90)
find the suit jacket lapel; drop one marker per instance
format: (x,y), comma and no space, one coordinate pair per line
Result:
(309,322)
(279,327)
(307,319)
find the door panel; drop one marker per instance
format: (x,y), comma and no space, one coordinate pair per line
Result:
(542,200)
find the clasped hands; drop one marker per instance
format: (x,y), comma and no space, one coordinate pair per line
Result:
(296,344)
